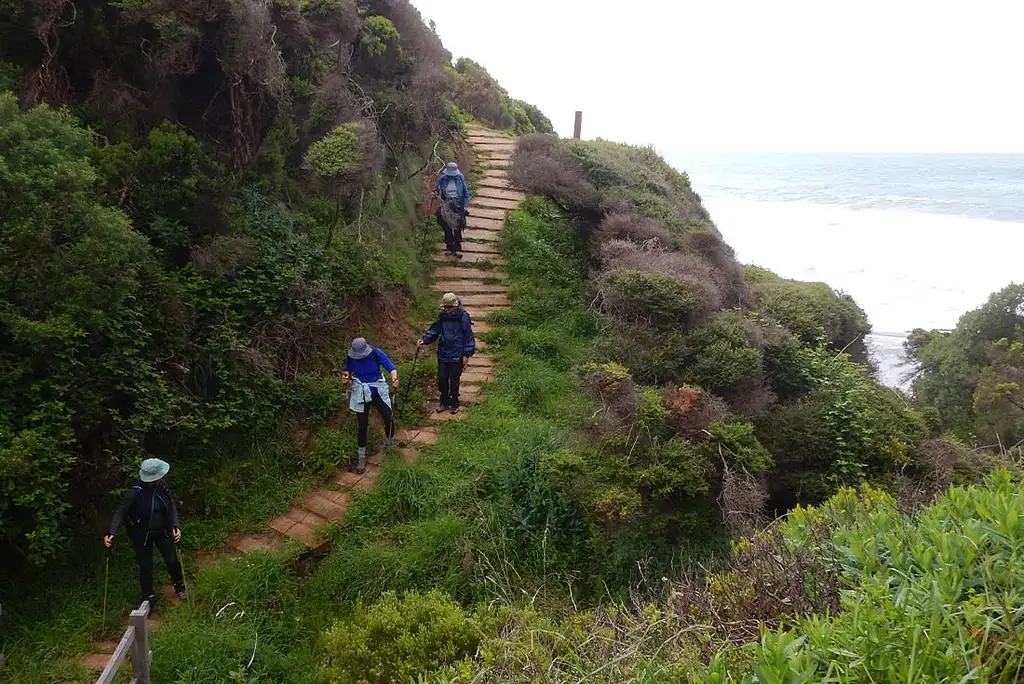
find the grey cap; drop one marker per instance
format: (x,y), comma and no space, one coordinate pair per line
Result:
(153,469)
(360,348)
(451,169)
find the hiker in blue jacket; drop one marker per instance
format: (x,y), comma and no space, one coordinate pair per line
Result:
(455,196)
(453,330)
(362,369)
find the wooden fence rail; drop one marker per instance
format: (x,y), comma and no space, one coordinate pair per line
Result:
(136,642)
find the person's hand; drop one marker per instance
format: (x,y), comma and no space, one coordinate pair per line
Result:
(176,535)
(108,540)
(419,343)
(394,382)
(465,361)
(345,378)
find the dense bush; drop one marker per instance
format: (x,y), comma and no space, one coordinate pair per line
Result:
(813,312)
(973,375)
(398,639)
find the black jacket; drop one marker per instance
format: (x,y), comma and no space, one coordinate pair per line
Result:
(148,508)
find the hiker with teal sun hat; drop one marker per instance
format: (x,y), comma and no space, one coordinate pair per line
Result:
(148,507)
(454,207)
(363,365)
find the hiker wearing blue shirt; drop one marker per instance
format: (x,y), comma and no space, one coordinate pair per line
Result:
(455,196)
(453,331)
(362,369)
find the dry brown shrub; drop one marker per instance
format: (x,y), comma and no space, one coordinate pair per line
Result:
(650,257)
(221,255)
(254,52)
(751,397)
(692,410)
(628,226)
(728,273)
(618,397)
(542,166)
(769,581)
(742,501)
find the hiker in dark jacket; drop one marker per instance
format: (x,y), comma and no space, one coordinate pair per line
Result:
(453,330)
(362,369)
(152,517)
(451,215)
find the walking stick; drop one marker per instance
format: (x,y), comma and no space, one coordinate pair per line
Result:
(423,233)
(412,374)
(106,584)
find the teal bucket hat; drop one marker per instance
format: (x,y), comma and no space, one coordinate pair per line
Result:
(153,469)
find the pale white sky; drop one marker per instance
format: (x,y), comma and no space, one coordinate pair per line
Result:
(755,75)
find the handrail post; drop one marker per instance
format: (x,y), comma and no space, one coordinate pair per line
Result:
(578,127)
(141,656)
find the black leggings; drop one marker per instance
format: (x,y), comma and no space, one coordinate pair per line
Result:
(363,419)
(143,544)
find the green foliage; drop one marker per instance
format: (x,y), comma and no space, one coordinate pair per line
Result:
(72,318)
(929,599)
(845,429)
(813,312)
(537,119)
(379,35)
(335,154)
(478,93)
(972,375)
(663,301)
(399,639)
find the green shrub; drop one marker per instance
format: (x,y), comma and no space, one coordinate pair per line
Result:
(662,301)
(397,639)
(813,312)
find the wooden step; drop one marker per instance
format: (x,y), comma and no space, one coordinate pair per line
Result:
(472,300)
(490,182)
(494,145)
(481,235)
(300,524)
(478,377)
(500,174)
(446,416)
(502,163)
(476,210)
(478,247)
(482,223)
(327,503)
(480,360)
(480,312)
(470,258)
(490,202)
(481,327)
(423,435)
(468,273)
(500,193)
(250,543)
(462,287)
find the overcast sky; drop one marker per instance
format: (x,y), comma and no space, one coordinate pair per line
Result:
(782,75)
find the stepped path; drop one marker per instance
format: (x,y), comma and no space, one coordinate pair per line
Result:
(477,278)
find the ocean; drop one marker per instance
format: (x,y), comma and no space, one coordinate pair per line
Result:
(917,240)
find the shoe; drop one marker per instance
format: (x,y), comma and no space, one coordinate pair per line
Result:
(182,595)
(458,255)
(455,410)
(392,443)
(441,408)
(361,461)
(449,252)
(152,603)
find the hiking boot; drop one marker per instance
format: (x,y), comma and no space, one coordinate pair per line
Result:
(361,461)
(458,254)
(151,601)
(449,252)
(441,408)
(182,595)
(392,442)
(455,410)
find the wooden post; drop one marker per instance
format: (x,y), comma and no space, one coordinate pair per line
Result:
(141,656)
(578,128)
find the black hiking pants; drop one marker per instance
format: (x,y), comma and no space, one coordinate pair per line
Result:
(363,419)
(453,233)
(448,377)
(143,544)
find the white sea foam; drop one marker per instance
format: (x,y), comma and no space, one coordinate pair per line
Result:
(906,269)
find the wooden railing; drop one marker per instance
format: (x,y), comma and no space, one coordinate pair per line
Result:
(136,643)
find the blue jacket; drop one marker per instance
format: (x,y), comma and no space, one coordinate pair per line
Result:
(442,182)
(454,333)
(368,369)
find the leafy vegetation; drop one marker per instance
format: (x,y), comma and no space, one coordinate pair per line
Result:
(972,376)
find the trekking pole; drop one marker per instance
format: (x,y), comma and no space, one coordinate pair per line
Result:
(106,584)
(423,233)
(412,374)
